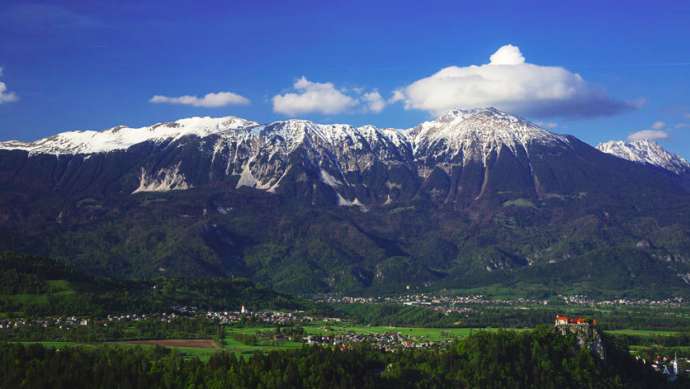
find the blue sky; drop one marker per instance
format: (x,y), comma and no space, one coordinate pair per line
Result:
(598,70)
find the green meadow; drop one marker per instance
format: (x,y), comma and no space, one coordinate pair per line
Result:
(643,333)
(232,343)
(246,341)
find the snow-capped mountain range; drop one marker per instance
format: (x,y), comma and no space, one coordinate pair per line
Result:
(458,158)
(646,151)
(259,153)
(122,137)
(313,206)
(470,133)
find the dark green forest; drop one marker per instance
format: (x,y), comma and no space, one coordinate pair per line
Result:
(37,286)
(534,359)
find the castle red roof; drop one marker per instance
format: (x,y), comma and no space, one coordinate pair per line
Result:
(575,319)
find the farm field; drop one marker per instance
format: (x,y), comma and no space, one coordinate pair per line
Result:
(245,341)
(237,339)
(181,343)
(430,334)
(643,333)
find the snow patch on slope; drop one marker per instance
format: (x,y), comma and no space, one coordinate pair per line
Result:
(164,180)
(343,202)
(329,180)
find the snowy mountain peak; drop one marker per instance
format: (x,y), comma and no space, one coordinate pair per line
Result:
(476,133)
(646,151)
(465,113)
(122,137)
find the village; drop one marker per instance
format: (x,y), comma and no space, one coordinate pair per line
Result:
(264,317)
(389,342)
(463,304)
(424,299)
(263,321)
(671,302)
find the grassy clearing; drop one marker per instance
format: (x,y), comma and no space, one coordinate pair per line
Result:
(57,286)
(233,345)
(432,334)
(202,353)
(54,344)
(643,333)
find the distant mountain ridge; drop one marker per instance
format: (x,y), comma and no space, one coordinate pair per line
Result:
(473,198)
(646,151)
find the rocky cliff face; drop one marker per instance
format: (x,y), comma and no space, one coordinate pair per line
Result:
(588,337)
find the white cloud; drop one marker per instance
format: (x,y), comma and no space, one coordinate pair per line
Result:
(654,132)
(313,97)
(211,100)
(5,95)
(509,83)
(374,101)
(398,95)
(658,125)
(324,98)
(682,125)
(648,135)
(507,55)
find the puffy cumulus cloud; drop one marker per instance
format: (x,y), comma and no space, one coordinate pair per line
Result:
(507,55)
(510,83)
(374,101)
(313,97)
(648,135)
(324,98)
(211,100)
(5,95)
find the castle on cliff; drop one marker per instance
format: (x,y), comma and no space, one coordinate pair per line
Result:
(585,329)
